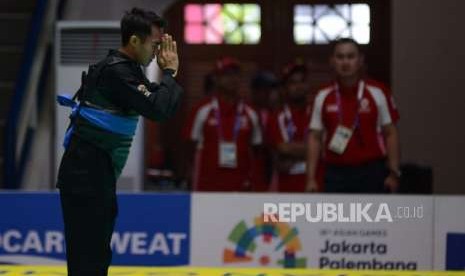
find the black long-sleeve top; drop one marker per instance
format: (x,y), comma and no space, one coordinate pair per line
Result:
(122,89)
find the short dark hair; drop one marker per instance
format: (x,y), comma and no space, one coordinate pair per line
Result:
(139,22)
(345,40)
(263,79)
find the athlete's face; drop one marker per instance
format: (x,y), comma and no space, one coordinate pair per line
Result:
(346,60)
(148,49)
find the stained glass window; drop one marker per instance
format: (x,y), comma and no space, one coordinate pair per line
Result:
(320,24)
(227,23)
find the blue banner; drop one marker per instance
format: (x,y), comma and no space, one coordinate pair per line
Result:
(151,229)
(455,257)
(31,229)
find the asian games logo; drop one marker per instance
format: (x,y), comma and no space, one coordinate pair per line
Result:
(265,244)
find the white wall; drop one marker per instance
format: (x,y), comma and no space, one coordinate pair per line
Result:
(427,57)
(39,169)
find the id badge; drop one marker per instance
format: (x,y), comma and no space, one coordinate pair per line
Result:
(298,168)
(228,155)
(340,139)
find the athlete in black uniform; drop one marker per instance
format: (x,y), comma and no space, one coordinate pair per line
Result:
(112,96)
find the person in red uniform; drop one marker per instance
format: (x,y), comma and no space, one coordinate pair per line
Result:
(288,130)
(225,132)
(354,124)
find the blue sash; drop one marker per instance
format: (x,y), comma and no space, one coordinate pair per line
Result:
(113,123)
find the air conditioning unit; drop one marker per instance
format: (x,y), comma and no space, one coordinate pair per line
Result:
(78,44)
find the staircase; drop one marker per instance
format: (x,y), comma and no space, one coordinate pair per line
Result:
(15,17)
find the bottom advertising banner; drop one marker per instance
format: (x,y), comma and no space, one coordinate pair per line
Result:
(312,231)
(31,229)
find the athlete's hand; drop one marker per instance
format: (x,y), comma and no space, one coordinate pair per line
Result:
(391,183)
(167,57)
(311,186)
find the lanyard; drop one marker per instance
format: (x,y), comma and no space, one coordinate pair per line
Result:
(291,128)
(264,117)
(237,120)
(361,88)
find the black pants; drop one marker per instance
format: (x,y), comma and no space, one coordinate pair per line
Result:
(88,198)
(367,178)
